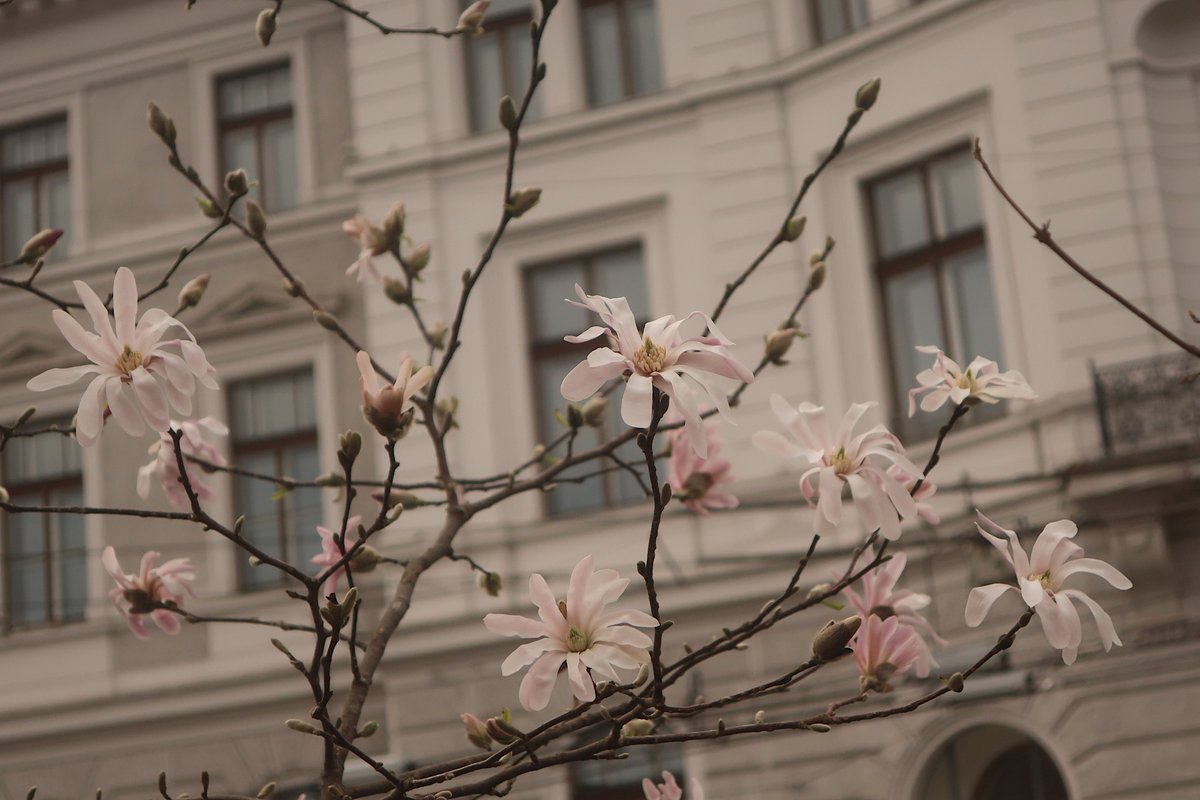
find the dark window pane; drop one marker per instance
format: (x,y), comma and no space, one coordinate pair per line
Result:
(19,215)
(957,203)
(279,175)
(605,80)
(977,324)
(72,556)
(913,315)
(901,219)
(487,80)
(549,289)
(643,46)
(567,497)
(621,274)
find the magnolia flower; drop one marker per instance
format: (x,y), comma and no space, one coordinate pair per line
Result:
(136,375)
(658,357)
(471,20)
(579,632)
(331,554)
(1040,576)
(928,489)
(389,407)
(982,382)
(847,459)
(139,594)
(371,241)
(166,468)
(881,599)
(669,789)
(883,649)
(697,481)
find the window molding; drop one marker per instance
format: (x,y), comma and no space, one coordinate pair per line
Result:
(204,75)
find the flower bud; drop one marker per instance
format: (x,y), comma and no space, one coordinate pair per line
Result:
(501,728)
(574,416)
(264,27)
(866,95)
(490,582)
(471,20)
(39,244)
(522,200)
(368,730)
(477,733)
(208,209)
(325,320)
(444,413)
(293,287)
(418,259)
(830,642)
(594,411)
(777,344)
(816,276)
(366,559)
(302,726)
(397,291)
(349,446)
(236,182)
(256,220)
(3,495)
(392,226)
(793,228)
(819,727)
(437,335)
(266,791)
(816,257)
(160,124)
(760,717)
(508,113)
(955,682)
(637,727)
(696,485)
(192,292)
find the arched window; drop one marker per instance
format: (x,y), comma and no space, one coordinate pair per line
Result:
(991,762)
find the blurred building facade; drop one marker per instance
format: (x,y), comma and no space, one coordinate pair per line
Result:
(670,139)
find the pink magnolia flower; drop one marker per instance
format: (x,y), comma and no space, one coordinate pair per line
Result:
(138,377)
(884,649)
(928,489)
(385,406)
(982,382)
(669,789)
(844,460)
(372,242)
(880,598)
(331,554)
(697,481)
(137,595)
(658,357)
(1040,576)
(579,632)
(164,466)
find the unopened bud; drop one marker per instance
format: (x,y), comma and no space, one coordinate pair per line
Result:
(574,416)
(477,733)
(490,582)
(418,259)
(778,343)
(368,730)
(830,642)
(264,27)
(643,675)
(208,209)
(3,495)
(816,257)
(349,445)
(39,244)
(302,726)
(437,335)
(594,411)
(366,559)
(444,413)
(508,113)
(162,125)
(330,480)
(793,228)
(760,717)
(866,95)
(266,791)
(326,320)
(696,485)
(236,182)
(256,220)
(522,200)
(192,292)
(471,20)
(816,276)
(955,682)
(637,727)
(392,226)
(397,291)
(819,727)
(501,728)
(293,287)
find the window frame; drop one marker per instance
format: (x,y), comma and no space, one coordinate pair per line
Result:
(257,121)
(275,444)
(814,19)
(538,350)
(41,490)
(38,172)
(628,86)
(498,27)
(932,254)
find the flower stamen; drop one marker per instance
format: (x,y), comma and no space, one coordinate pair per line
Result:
(129,360)
(650,358)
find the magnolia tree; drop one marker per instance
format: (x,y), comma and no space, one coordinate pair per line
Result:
(674,377)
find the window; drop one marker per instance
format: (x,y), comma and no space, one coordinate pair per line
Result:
(34,190)
(498,63)
(44,555)
(622,780)
(257,132)
(991,762)
(833,19)
(612,273)
(274,430)
(620,40)
(933,272)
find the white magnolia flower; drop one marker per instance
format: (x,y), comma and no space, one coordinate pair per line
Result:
(165,467)
(1040,578)
(139,377)
(982,381)
(844,460)
(657,357)
(578,632)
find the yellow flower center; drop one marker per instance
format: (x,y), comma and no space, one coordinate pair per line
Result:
(1044,579)
(967,381)
(577,640)
(649,358)
(841,463)
(129,360)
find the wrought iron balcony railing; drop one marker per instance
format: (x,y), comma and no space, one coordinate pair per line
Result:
(1148,404)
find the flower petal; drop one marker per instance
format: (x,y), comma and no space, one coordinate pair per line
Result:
(538,683)
(636,408)
(980,601)
(1093,566)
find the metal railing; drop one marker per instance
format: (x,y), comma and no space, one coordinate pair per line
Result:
(1148,404)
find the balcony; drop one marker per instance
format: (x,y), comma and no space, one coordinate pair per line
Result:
(1148,404)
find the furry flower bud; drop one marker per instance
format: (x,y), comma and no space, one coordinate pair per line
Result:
(830,642)
(522,200)
(867,94)
(193,291)
(264,26)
